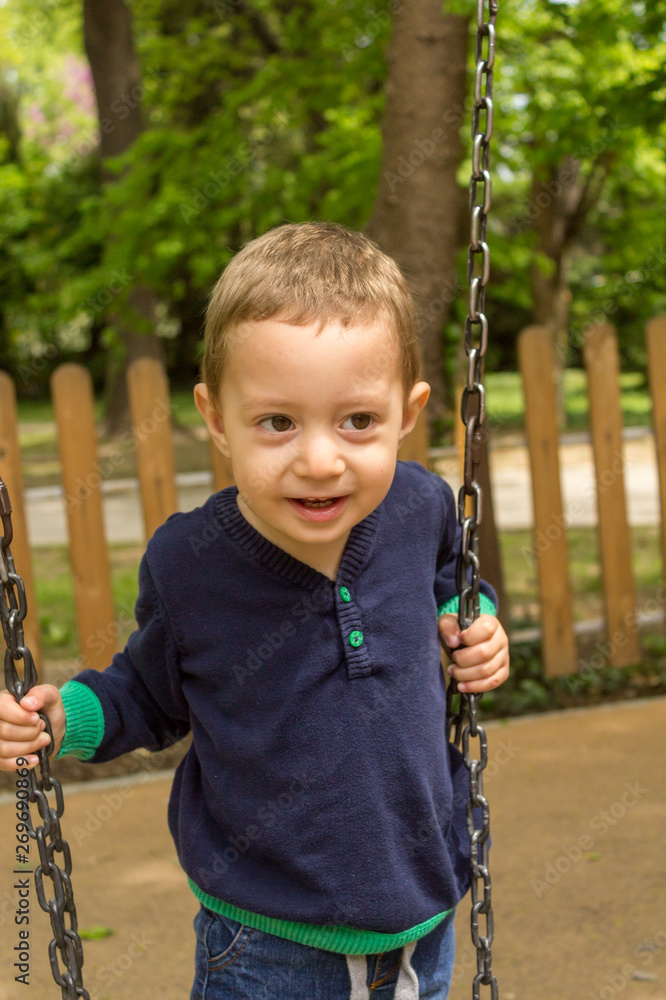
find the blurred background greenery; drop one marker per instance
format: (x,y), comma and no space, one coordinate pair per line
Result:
(119,208)
(248,114)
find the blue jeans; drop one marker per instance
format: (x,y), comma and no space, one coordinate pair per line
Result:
(236,962)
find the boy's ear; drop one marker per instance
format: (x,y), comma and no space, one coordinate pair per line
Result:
(212,417)
(417,399)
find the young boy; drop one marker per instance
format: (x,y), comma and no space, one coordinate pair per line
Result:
(291,624)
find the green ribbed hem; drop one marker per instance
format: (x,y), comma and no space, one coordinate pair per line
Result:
(343,940)
(486,606)
(85,721)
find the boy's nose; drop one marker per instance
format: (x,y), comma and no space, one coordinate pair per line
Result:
(319,458)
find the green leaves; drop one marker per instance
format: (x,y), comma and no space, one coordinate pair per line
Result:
(273,112)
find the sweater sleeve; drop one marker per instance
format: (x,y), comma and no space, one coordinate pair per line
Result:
(446,592)
(138,700)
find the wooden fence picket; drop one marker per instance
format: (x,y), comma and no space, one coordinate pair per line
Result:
(151,416)
(72,392)
(11,472)
(414,448)
(535,350)
(656,344)
(151,419)
(603,374)
(221,466)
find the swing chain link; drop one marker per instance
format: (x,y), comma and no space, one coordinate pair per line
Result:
(473,413)
(47,834)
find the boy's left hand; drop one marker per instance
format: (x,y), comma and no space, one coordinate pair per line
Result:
(484,662)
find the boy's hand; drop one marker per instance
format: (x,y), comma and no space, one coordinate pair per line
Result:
(484,663)
(21,729)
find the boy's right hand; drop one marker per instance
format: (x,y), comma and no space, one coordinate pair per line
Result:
(21,729)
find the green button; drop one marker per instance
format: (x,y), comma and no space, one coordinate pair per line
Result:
(356,638)
(344,594)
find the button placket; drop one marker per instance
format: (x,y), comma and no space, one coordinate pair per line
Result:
(358,661)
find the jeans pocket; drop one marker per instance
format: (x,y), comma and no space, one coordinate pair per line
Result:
(224,939)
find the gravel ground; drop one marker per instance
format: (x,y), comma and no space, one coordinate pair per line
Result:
(578,809)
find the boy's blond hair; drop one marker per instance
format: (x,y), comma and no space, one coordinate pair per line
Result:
(304,272)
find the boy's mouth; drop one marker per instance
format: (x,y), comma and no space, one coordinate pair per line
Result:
(319,508)
(316,502)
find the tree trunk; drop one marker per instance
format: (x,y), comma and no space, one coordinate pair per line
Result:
(10,130)
(553,204)
(548,272)
(117,79)
(415,216)
(561,198)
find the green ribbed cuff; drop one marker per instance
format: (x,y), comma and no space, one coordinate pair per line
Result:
(343,940)
(84,721)
(486,606)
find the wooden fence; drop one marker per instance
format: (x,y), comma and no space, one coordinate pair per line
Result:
(152,433)
(550,520)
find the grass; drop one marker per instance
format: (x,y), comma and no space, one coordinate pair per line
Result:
(117,456)
(55,597)
(520,572)
(506,404)
(526,690)
(40,411)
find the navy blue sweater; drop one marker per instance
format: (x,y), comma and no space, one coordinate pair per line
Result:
(319,799)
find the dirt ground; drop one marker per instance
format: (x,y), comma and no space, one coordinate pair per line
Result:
(578,811)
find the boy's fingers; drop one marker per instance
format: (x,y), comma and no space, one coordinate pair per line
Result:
(484,677)
(483,628)
(13,765)
(482,652)
(12,751)
(449,630)
(40,697)
(22,734)
(11,712)
(21,729)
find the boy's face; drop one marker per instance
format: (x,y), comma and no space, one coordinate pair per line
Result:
(312,424)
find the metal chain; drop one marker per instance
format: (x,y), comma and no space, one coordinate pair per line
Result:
(13,600)
(47,834)
(473,412)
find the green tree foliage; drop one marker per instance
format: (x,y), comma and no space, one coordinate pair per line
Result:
(583,82)
(254,116)
(261,112)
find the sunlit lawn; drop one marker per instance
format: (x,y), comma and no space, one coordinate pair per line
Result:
(505,410)
(58,623)
(520,572)
(117,456)
(55,596)
(505,405)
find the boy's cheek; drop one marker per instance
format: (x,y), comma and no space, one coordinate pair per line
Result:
(257,482)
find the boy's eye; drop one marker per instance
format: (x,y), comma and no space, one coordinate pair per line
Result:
(359,421)
(276,423)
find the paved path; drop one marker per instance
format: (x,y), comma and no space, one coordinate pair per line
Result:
(578,810)
(511,492)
